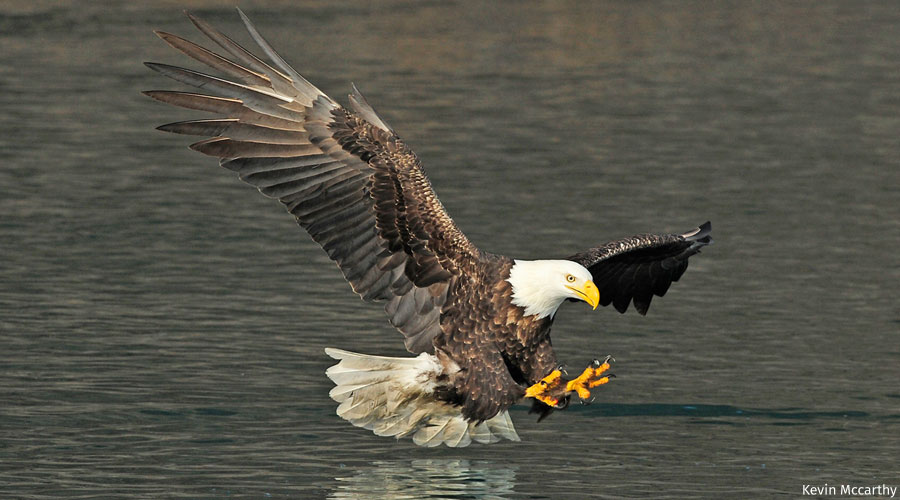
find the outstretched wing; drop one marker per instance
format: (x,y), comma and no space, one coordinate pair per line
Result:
(637,268)
(346,177)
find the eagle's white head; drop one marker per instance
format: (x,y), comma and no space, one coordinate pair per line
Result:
(541,286)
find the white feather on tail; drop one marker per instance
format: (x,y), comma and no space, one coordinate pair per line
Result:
(395,397)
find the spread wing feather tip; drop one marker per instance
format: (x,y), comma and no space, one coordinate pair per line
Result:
(634,269)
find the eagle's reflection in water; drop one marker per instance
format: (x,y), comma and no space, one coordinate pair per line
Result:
(417,479)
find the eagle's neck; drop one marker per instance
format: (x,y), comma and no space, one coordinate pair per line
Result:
(530,289)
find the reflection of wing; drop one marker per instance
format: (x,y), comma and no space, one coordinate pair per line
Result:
(356,188)
(639,267)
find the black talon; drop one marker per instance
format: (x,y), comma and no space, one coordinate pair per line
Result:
(608,359)
(562,404)
(596,363)
(562,369)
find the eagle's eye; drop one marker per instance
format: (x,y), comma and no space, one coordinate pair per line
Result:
(570,278)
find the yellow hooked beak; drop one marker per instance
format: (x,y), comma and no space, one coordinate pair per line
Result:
(588,292)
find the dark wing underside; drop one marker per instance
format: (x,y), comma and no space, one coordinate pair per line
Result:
(637,268)
(346,177)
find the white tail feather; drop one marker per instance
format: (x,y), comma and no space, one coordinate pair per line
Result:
(395,397)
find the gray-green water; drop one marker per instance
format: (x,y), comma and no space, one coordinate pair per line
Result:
(162,324)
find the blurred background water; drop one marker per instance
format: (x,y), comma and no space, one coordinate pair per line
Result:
(162,325)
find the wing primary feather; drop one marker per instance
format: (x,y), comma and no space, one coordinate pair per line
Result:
(200,102)
(202,80)
(279,82)
(226,106)
(213,60)
(302,84)
(361,105)
(235,49)
(254,98)
(230,148)
(232,128)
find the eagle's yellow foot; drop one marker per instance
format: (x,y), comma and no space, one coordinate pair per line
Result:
(549,390)
(591,377)
(553,391)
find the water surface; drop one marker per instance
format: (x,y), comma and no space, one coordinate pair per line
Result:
(162,326)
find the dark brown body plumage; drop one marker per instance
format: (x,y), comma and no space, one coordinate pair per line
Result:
(362,194)
(500,350)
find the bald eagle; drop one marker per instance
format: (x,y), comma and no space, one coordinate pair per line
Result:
(479,323)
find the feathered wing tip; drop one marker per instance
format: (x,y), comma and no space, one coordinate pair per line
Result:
(701,235)
(698,238)
(395,397)
(364,109)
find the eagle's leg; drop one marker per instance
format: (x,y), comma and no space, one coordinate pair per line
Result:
(552,390)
